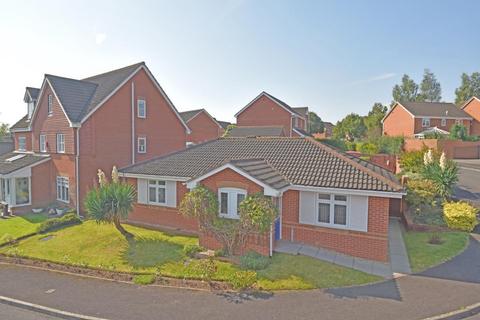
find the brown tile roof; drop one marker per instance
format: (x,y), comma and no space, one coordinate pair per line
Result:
(434,109)
(263,171)
(13,161)
(301,161)
(247,131)
(21,124)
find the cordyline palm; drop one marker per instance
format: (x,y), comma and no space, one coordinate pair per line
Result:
(110,203)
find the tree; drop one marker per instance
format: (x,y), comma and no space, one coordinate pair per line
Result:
(257,214)
(443,173)
(373,121)
(469,87)
(315,123)
(4,129)
(111,202)
(430,89)
(406,91)
(459,132)
(350,128)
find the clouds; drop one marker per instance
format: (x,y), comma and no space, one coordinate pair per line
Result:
(380,77)
(100,38)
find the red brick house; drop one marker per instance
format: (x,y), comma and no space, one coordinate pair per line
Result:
(325,198)
(413,118)
(75,127)
(266,110)
(202,125)
(472,107)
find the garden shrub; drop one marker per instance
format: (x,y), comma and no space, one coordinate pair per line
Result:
(339,144)
(206,269)
(460,215)
(412,161)
(367,148)
(54,223)
(243,279)
(254,261)
(190,250)
(443,173)
(420,192)
(144,279)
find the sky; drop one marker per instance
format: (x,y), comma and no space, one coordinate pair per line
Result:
(336,57)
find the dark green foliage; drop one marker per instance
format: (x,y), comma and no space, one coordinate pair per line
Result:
(444,176)
(254,261)
(430,88)
(367,148)
(315,123)
(469,87)
(350,128)
(406,91)
(412,161)
(458,131)
(373,121)
(190,250)
(4,129)
(55,223)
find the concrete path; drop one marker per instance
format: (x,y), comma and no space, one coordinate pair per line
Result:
(399,263)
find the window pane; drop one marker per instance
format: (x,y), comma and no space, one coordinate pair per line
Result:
(340,214)
(224,202)
(152,194)
(152,182)
(240,198)
(22,191)
(162,183)
(340,198)
(161,195)
(324,212)
(323,196)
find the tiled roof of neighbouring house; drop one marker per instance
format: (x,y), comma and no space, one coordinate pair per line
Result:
(33,92)
(224,124)
(301,111)
(270,131)
(435,109)
(21,124)
(188,115)
(301,161)
(13,161)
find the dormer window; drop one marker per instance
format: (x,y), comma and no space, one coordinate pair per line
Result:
(50,104)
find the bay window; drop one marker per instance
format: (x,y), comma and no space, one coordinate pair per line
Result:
(230,199)
(332,209)
(156,191)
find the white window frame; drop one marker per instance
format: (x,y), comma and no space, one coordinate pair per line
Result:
(157,185)
(60,143)
(144,139)
(332,202)
(444,122)
(42,143)
(425,122)
(22,143)
(232,203)
(63,189)
(50,105)
(29,188)
(458,121)
(139,115)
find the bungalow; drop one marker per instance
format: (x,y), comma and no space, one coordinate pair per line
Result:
(413,118)
(325,198)
(472,107)
(202,125)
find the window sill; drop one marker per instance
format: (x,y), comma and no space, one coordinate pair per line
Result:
(226,216)
(60,200)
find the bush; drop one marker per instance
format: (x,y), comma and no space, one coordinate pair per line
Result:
(412,161)
(420,192)
(336,143)
(206,268)
(190,250)
(144,279)
(66,220)
(444,175)
(254,261)
(460,215)
(243,279)
(220,253)
(367,148)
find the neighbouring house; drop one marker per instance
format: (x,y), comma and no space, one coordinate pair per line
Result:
(75,127)
(202,125)
(266,110)
(472,107)
(327,131)
(263,131)
(224,124)
(325,198)
(414,118)
(6,144)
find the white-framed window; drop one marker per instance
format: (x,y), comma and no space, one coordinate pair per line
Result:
(63,189)
(141,108)
(60,143)
(444,122)
(332,209)
(50,105)
(22,191)
(42,141)
(229,200)
(157,191)
(426,122)
(22,144)
(142,145)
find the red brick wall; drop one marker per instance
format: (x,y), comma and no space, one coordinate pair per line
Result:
(368,245)
(28,139)
(203,129)
(229,178)
(398,123)
(265,112)
(473,109)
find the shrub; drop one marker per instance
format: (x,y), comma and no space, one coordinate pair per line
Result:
(420,192)
(367,148)
(254,261)
(206,268)
(460,215)
(243,279)
(190,250)
(220,253)
(339,144)
(412,161)
(444,175)
(458,131)
(66,220)
(144,279)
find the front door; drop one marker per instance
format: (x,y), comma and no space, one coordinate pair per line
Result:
(277,229)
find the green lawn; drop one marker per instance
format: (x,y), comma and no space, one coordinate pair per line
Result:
(102,246)
(19,226)
(423,255)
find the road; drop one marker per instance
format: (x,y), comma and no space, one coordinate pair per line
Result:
(468,186)
(13,313)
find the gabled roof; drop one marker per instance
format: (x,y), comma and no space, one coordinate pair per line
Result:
(22,124)
(13,161)
(189,115)
(301,161)
(303,111)
(432,110)
(468,101)
(224,124)
(265,131)
(31,93)
(274,99)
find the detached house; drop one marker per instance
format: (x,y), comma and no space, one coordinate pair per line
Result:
(472,107)
(75,127)
(325,198)
(267,111)
(416,118)
(202,125)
